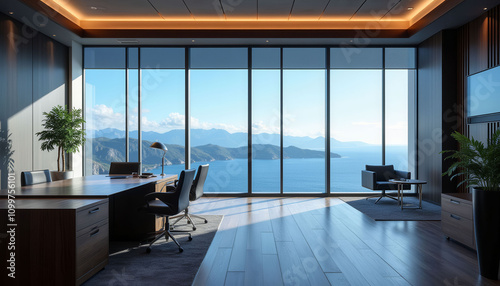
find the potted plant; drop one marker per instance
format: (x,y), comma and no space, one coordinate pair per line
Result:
(64,130)
(478,166)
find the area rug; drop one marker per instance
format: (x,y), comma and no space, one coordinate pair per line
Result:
(130,265)
(389,210)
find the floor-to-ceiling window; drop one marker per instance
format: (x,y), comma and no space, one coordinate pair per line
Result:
(279,94)
(105,108)
(266,114)
(356,114)
(163,108)
(304,93)
(399,106)
(218,90)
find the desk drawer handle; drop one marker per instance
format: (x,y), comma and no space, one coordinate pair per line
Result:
(454,202)
(94,232)
(455,217)
(94,211)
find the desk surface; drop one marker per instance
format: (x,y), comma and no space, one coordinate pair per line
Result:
(58,204)
(88,186)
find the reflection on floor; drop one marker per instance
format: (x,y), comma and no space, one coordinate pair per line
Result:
(322,241)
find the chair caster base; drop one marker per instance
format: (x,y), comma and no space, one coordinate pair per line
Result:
(148,250)
(180,249)
(190,238)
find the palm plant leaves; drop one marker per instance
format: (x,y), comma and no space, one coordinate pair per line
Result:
(477,164)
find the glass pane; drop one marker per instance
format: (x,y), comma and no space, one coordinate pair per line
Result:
(400,58)
(304,58)
(354,57)
(266,58)
(266,131)
(133,114)
(223,58)
(398,89)
(133,58)
(163,119)
(356,126)
(104,58)
(219,123)
(304,131)
(167,58)
(105,119)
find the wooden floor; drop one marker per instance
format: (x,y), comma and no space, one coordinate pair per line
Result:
(323,241)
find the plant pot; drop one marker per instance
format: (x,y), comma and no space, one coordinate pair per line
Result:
(487,231)
(57,176)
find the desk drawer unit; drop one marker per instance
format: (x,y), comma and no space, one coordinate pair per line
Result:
(58,241)
(91,215)
(456,218)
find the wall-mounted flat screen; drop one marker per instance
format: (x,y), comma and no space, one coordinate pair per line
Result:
(483,96)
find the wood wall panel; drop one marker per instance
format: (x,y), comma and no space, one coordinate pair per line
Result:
(494,37)
(478,44)
(429,115)
(50,75)
(21,94)
(15,100)
(478,49)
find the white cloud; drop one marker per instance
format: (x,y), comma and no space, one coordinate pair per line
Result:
(261,127)
(104,117)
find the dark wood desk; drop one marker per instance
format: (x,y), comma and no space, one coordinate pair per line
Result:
(53,241)
(125,196)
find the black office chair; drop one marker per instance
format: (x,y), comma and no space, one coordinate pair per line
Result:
(196,193)
(376,177)
(170,203)
(29,178)
(124,168)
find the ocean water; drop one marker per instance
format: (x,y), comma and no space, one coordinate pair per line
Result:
(299,175)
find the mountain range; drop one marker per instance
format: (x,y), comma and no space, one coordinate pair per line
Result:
(105,150)
(220,137)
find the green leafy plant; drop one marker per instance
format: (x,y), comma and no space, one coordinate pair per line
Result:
(475,164)
(64,130)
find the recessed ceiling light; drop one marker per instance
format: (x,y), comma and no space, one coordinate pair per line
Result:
(53,35)
(11,13)
(267,41)
(485,8)
(409,8)
(192,41)
(93,7)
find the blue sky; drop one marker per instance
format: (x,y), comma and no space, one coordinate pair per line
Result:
(219,100)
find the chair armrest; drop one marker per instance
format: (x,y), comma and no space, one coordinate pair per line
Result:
(402,174)
(164,197)
(368,179)
(169,187)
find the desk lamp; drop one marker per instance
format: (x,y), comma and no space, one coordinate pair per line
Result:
(161,146)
